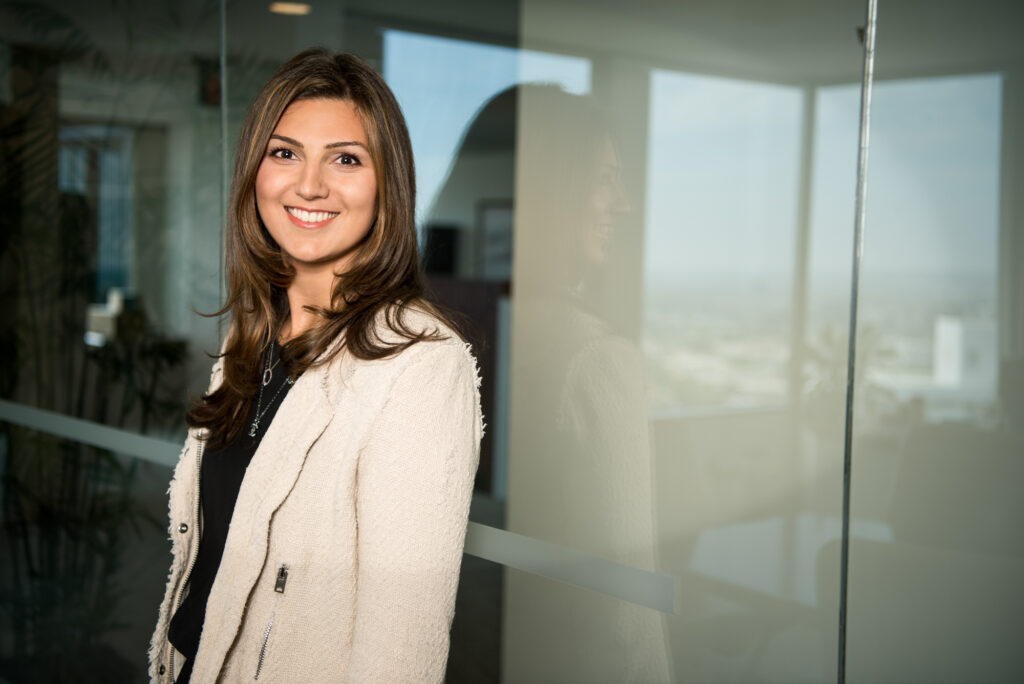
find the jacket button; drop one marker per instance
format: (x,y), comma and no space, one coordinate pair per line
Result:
(183,528)
(163,669)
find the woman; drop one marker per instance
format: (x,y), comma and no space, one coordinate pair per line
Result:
(318,510)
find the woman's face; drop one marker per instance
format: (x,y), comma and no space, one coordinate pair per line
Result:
(606,203)
(316,188)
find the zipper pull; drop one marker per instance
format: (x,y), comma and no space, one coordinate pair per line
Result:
(282,577)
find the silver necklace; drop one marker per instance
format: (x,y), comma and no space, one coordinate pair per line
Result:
(267,374)
(268,371)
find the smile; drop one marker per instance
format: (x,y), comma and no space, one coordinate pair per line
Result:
(310,217)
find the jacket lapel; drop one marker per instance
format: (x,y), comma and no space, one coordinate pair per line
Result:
(277,463)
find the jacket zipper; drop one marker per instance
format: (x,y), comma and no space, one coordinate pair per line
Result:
(192,562)
(263,648)
(279,584)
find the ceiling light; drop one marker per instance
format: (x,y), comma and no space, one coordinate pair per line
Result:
(294,8)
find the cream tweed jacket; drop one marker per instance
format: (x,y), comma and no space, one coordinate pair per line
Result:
(343,554)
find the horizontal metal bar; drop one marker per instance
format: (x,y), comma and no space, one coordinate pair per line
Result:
(94,434)
(539,557)
(580,569)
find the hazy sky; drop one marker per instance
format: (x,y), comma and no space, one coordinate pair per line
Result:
(722,166)
(723,177)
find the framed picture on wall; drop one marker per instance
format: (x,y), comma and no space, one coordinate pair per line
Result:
(494,239)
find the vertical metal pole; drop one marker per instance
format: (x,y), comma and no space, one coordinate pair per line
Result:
(858,250)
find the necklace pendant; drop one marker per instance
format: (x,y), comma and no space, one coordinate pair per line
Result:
(252,428)
(266,377)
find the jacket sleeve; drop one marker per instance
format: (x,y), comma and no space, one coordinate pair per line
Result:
(414,483)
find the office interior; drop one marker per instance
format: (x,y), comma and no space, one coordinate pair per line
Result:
(752,343)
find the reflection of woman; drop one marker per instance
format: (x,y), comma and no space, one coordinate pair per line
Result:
(580,470)
(319,507)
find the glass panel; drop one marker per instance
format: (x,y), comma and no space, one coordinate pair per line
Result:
(84,559)
(939,437)
(678,342)
(111,180)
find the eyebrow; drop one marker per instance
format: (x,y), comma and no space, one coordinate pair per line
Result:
(343,143)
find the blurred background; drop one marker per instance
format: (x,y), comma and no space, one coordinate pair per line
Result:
(646,211)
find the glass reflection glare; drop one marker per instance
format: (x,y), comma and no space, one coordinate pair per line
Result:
(580,465)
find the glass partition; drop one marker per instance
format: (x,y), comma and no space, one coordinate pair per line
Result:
(112,179)
(679,340)
(939,441)
(110,176)
(644,213)
(83,562)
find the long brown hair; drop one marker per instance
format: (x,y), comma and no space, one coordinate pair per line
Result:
(384,278)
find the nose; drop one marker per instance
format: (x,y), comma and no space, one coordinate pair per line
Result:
(311,183)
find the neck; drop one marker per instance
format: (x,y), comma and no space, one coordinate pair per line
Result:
(311,287)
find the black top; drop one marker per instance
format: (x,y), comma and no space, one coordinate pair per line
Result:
(222,470)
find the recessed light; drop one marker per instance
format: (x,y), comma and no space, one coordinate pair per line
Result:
(294,8)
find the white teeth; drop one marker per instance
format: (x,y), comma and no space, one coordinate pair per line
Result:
(311,216)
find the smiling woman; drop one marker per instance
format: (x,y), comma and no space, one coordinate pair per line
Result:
(342,400)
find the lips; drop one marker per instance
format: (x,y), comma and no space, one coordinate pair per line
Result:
(306,218)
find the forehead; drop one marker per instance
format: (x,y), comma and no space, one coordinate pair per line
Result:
(321,120)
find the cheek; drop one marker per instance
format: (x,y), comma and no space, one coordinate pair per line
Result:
(601,198)
(268,177)
(260,188)
(267,189)
(366,198)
